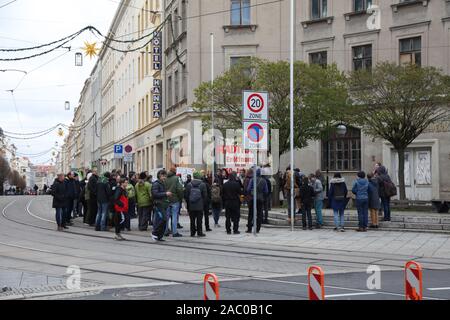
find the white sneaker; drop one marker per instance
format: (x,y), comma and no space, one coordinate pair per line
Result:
(154,238)
(117,238)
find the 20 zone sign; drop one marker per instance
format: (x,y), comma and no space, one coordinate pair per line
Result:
(255,106)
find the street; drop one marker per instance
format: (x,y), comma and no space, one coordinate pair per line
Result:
(272,266)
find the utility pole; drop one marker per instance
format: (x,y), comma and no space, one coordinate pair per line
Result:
(212,107)
(291,101)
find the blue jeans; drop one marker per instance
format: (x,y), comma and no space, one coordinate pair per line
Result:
(362,205)
(339,218)
(172,211)
(159,222)
(216,214)
(318,205)
(60,216)
(386,202)
(102,214)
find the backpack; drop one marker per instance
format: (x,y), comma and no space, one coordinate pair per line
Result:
(390,189)
(215,194)
(339,191)
(195,194)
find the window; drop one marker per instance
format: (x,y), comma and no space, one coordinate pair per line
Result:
(175,23)
(177,86)
(319,58)
(183,16)
(362,57)
(184,82)
(169,91)
(240,12)
(410,51)
(361,5)
(344,152)
(318,9)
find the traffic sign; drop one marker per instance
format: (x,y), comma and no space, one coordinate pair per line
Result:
(128,157)
(255,135)
(128,149)
(118,148)
(256,106)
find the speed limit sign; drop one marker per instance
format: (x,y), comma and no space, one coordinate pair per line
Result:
(256,106)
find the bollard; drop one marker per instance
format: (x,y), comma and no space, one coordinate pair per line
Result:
(210,287)
(413,281)
(316,289)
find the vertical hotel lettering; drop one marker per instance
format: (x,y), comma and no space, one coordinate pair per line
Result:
(157,82)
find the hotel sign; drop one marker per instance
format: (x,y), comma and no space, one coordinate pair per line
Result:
(157,83)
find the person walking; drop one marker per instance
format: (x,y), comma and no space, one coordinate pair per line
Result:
(374,200)
(307,200)
(261,192)
(387,189)
(58,191)
(361,190)
(144,201)
(92,202)
(231,195)
(318,199)
(120,207)
(337,196)
(196,194)
(174,186)
(104,197)
(216,203)
(161,203)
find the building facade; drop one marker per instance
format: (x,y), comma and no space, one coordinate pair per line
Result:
(147,95)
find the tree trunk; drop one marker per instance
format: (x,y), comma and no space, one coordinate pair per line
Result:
(401,173)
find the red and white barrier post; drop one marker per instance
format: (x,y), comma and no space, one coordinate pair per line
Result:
(211,287)
(316,279)
(413,281)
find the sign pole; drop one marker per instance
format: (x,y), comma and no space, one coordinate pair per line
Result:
(212,108)
(255,192)
(291,102)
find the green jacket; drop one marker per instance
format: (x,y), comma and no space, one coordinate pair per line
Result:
(143,194)
(174,185)
(131,193)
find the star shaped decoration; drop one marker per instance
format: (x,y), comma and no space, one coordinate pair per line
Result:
(90,49)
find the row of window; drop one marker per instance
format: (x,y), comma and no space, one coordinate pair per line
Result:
(173,81)
(410,53)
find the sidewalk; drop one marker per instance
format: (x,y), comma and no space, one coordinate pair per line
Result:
(400,220)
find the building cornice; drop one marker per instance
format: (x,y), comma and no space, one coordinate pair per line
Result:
(317,40)
(411,25)
(362,33)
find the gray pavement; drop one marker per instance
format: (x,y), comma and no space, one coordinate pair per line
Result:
(32,249)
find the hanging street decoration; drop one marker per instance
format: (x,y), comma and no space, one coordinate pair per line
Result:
(90,49)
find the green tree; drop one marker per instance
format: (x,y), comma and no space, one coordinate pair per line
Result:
(397,103)
(320,97)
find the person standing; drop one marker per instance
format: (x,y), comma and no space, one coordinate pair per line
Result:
(161,203)
(132,201)
(267,200)
(231,195)
(131,194)
(386,191)
(70,197)
(216,203)
(92,204)
(144,201)
(318,199)
(174,186)
(82,200)
(261,193)
(76,201)
(120,207)
(207,202)
(307,199)
(104,197)
(374,200)
(58,191)
(196,194)
(337,196)
(287,192)
(361,190)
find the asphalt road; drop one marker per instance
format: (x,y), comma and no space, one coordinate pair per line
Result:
(248,268)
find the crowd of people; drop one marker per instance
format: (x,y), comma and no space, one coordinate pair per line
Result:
(112,200)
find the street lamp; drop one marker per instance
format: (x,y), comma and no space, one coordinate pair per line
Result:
(78,59)
(67,105)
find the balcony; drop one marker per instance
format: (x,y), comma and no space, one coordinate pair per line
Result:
(328,20)
(251,27)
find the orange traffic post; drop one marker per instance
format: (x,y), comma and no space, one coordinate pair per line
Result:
(210,287)
(316,280)
(413,281)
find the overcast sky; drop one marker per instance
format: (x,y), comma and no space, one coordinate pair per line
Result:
(41,95)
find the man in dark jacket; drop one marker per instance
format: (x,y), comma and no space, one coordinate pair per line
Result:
(58,191)
(70,197)
(76,202)
(104,198)
(307,199)
(383,177)
(161,203)
(92,202)
(261,193)
(231,195)
(196,195)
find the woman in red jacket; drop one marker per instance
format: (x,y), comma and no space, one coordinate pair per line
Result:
(120,207)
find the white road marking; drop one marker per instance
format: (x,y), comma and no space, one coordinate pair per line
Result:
(350,294)
(437,289)
(22,247)
(35,216)
(6,207)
